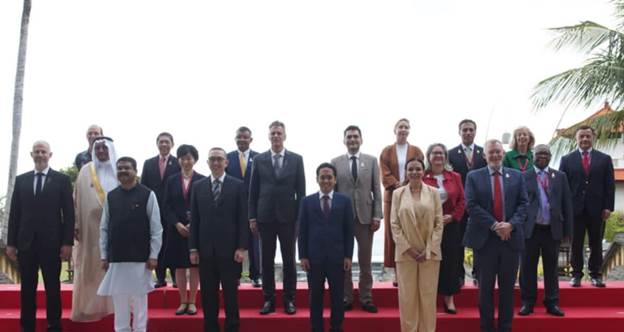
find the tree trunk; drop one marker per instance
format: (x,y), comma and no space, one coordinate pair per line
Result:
(17,116)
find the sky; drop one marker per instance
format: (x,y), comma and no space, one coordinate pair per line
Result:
(200,69)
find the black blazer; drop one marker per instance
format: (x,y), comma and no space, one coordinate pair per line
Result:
(457,159)
(559,199)
(46,221)
(321,238)
(592,193)
(276,198)
(233,167)
(175,204)
(150,177)
(218,228)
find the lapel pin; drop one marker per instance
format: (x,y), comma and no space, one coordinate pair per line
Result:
(459,151)
(362,165)
(552,175)
(507,175)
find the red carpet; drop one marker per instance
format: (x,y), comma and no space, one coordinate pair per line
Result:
(586,308)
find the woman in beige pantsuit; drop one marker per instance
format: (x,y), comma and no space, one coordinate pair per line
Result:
(416,222)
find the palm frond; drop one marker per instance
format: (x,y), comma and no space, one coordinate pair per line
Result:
(587,36)
(602,78)
(619,11)
(609,129)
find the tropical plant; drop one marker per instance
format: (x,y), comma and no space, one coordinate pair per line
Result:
(599,79)
(18,97)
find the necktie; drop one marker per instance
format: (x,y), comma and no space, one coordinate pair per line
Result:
(326,208)
(39,184)
(498,197)
(216,190)
(277,166)
(161,167)
(544,183)
(354,170)
(243,163)
(586,162)
(468,152)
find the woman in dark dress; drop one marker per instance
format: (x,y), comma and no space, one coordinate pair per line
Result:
(177,214)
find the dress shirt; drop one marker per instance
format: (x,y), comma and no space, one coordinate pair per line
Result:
(245,154)
(212,179)
(543,218)
(401,151)
(502,186)
(281,160)
(443,194)
(43,179)
(357,159)
(331,196)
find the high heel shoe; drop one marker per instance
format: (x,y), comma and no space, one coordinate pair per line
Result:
(449,311)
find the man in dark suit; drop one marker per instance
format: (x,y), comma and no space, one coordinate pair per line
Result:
(218,239)
(357,176)
(326,246)
(275,192)
(155,173)
(464,158)
(41,233)
(84,157)
(496,199)
(590,175)
(549,219)
(239,166)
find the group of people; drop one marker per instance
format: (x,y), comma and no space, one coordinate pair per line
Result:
(510,208)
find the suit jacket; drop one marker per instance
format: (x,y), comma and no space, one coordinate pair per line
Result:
(389,165)
(365,192)
(150,177)
(479,204)
(218,228)
(457,159)
(559,199)
(595,192)
(233,167)
(175,205)
(275,198)
(322,238)
(46,221)
(455,202)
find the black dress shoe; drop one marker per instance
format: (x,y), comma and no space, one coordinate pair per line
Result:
(575,282)
(160,284)
(256,283)
(554,310)
(395,283)
(347,306)
(525,310)
(597,282)
(369,307)
(475,282)
(449,311)
(267,308)
(289,308)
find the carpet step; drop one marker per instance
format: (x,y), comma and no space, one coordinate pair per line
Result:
(387,320)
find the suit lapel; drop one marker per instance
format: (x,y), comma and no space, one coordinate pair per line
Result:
(317,206)
(29,183)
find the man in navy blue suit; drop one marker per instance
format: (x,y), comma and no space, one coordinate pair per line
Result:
(239,166)
(496,200)
(464,158)
(590,175)
(549,220)
(326,246)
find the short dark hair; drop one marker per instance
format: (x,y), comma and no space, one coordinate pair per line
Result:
(352,127)
(164,133)
(467,121)
(585,127)
(128,160)
(185,149)
(277,123)
(243,129)
(326,165)
(422,163)
(218,148)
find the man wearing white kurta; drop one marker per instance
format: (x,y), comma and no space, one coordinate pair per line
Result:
(130,239)
(94,181)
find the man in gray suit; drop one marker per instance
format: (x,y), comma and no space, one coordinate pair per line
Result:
(276,189)
(358,178)
(549,219)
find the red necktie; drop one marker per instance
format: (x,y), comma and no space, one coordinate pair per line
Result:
(326,207)
(498,197)
(161,167)
(586,162)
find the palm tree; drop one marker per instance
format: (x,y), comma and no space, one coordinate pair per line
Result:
(600,79)
(17,114)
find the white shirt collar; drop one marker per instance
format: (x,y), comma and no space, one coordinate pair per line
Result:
(45,171)
(212,179)
(537,169)
(321,194)
(471,146)
(491,170)
(588,150)
(357,155)
(282,153)
(245,153)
